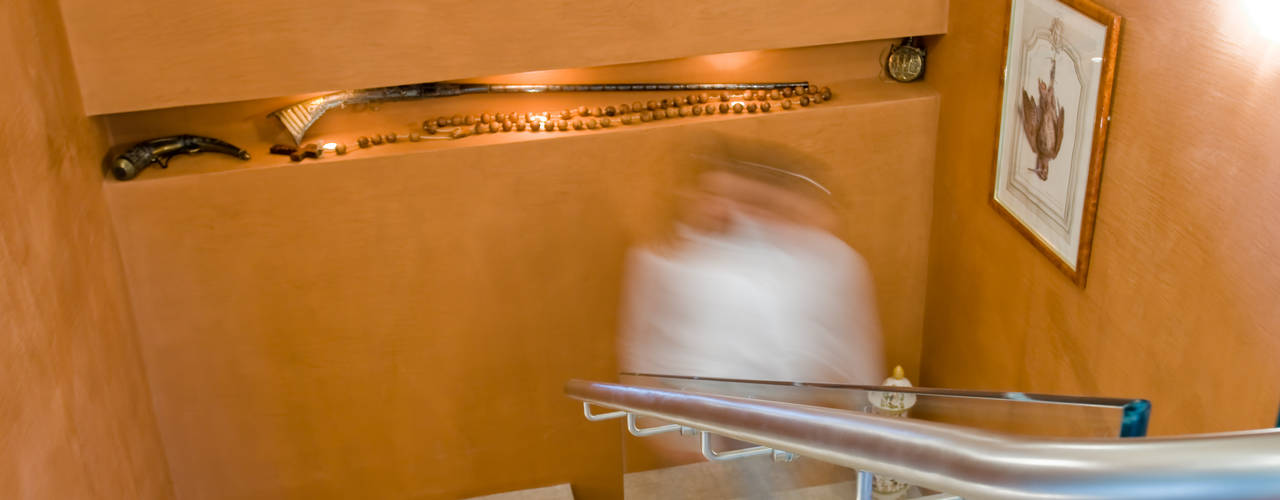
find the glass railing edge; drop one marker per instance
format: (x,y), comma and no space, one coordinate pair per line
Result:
(1109,402)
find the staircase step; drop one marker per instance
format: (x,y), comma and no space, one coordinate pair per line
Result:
(557,492)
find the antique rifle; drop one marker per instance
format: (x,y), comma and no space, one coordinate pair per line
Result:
(299,117)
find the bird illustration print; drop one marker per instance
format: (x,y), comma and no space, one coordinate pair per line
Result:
(1042,120)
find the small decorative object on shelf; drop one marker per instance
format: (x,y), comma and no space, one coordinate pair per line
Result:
(906,60)
(161,150)
(892,404)
(299,117)
(580,118)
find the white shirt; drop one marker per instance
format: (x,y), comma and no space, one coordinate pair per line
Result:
(766,300)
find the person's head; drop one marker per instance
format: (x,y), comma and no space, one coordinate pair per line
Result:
(757,178)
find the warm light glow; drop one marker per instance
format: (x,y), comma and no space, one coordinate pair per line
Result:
(729,61)
(546,76)
(1265,15)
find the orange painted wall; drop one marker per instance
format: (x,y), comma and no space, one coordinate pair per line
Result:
(1180,306)
(400,322)
(75,415)
(148,54)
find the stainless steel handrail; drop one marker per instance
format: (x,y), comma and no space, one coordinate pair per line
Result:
(972,463)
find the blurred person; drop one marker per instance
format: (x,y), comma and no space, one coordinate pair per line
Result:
(754,283)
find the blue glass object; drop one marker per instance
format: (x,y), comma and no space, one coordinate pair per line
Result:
(1136,414)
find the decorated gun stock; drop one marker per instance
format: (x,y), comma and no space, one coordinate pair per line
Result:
(161,150)
(299,117)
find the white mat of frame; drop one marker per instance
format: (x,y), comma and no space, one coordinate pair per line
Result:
(557,492)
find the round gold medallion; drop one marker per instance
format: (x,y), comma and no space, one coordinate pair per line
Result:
(906,61)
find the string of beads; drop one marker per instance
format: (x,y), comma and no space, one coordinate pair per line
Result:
(583,117)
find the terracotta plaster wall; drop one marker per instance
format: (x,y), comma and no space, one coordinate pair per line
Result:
(210,51)
(1180,306)
(75,416)
(402,326)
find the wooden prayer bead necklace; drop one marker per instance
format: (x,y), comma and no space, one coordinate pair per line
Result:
(582,118)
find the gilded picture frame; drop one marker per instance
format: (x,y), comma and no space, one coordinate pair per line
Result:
(1055,109)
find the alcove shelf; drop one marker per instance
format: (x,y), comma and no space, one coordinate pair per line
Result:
(407,116)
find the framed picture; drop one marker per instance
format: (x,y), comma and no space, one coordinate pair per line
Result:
(1060,58)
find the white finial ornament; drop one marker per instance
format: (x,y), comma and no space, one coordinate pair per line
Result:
(895,404)
(892,404)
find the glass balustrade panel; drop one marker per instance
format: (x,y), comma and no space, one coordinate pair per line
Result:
(672,465)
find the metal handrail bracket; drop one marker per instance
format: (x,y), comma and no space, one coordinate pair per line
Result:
(754,451)
(724,456)
(649,431)
(586,411)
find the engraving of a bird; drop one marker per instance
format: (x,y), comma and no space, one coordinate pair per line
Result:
(1042,122)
